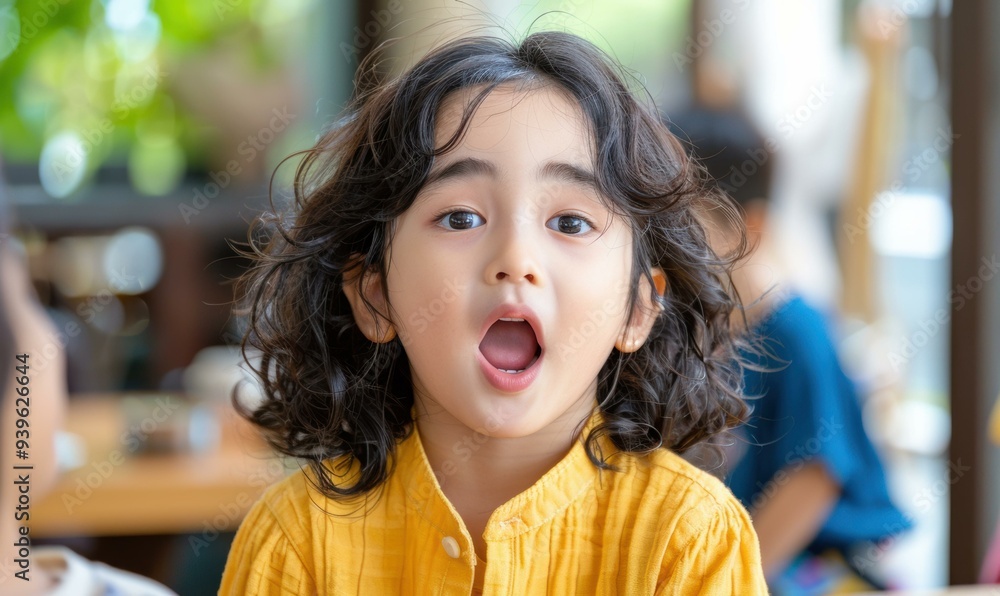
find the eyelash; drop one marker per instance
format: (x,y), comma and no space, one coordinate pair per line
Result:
(586,220)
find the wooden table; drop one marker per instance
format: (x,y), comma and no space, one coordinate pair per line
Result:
(118,493)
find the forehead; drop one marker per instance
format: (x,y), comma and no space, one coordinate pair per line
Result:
(543,119)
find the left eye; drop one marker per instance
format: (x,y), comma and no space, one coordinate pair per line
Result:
(571,224)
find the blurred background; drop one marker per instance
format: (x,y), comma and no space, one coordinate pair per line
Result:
(139,138)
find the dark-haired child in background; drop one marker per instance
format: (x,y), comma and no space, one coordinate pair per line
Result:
(803,464)
(495,289)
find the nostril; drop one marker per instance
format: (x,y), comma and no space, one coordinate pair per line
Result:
(530,276)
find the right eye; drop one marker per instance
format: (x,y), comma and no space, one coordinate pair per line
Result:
(459,220)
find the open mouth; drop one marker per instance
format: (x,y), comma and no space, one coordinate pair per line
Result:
(510,345)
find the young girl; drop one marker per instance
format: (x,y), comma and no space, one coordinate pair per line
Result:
(490,328)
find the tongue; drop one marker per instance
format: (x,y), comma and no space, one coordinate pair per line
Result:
(509,345)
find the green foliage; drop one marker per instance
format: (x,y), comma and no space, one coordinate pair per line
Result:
(99,68)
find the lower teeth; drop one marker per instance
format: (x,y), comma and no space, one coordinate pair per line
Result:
(511,371)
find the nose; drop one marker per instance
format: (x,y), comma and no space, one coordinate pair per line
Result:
(515,257)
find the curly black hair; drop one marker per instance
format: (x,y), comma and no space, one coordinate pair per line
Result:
(331,394)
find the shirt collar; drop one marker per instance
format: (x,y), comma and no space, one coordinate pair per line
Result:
(564,483)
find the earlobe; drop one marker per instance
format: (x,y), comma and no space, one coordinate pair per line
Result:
(637,332)
(375,326)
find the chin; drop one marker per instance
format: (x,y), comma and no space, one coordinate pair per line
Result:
(510,420)
(500,421)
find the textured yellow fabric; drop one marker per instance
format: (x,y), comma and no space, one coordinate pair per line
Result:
(661,526)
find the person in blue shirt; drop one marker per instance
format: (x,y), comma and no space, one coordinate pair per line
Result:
(802,465)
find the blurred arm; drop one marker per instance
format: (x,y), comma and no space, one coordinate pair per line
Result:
(788,521)
(33,334)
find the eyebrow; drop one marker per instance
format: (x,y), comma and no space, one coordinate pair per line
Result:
(567,172)
(468,167)
(554,170)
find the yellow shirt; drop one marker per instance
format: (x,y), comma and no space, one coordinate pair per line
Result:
(661,526)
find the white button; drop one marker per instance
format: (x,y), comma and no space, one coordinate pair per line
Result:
(451,547)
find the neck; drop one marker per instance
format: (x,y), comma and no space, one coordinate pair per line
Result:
(758,281)
(478,473)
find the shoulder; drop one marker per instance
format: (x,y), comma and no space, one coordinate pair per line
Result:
(693,495)
(283,511)
(296,503)
(711,546)
(702,535)
(795,332)
(288,499)
(794,319)
(272,551)
(680,499)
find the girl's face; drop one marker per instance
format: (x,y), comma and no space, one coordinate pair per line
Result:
(510,217)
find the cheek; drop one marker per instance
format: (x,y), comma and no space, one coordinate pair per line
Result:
(605,285)
(426,297)
(593,312)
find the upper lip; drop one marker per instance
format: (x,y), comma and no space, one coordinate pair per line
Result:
(510,310)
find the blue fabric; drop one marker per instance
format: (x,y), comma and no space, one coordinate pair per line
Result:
(808,409)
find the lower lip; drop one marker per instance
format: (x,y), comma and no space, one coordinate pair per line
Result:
(510,382)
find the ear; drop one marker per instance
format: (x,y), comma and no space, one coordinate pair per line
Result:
(638,329)
(756,219)
(376,327)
